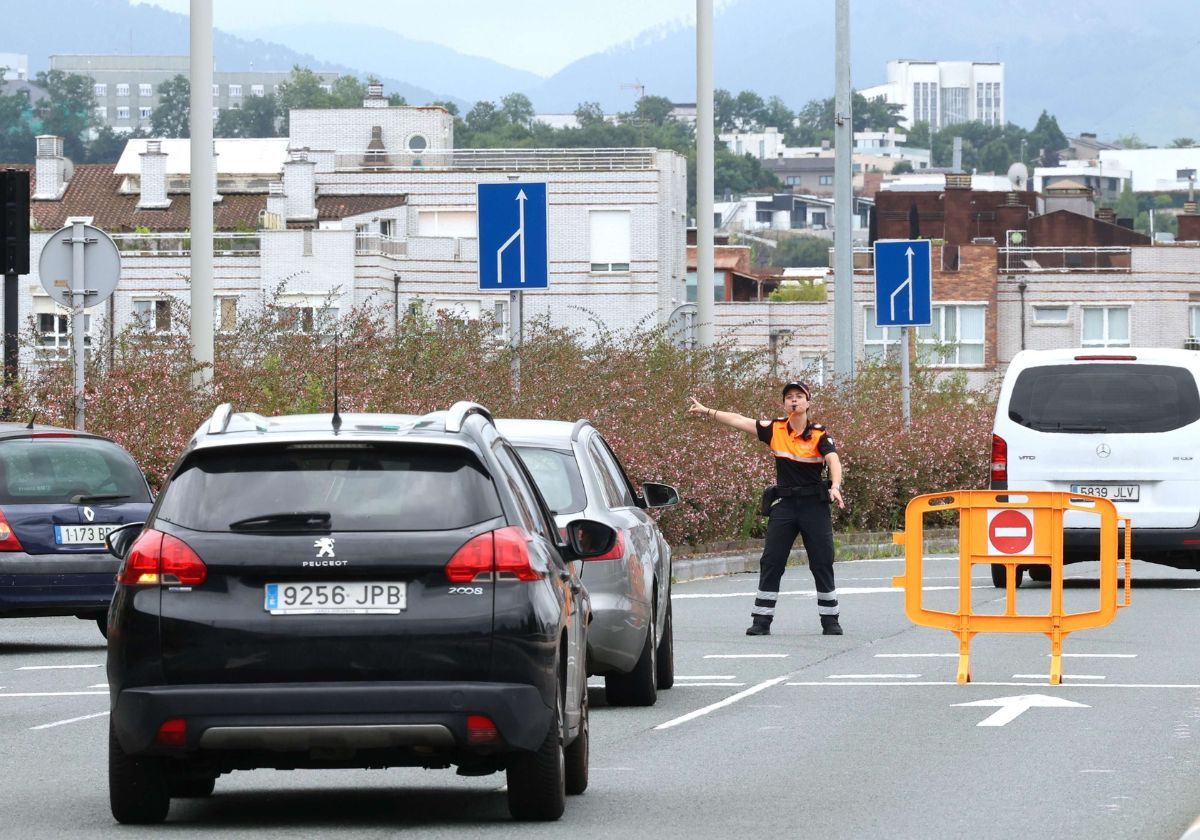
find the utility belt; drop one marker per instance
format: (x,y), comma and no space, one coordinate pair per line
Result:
(817,492)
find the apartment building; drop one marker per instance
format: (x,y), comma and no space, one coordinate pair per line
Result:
(944,93)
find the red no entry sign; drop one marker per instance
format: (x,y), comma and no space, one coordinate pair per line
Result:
(1010,531)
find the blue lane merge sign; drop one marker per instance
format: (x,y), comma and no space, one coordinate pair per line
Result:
(903,283)
(512,236)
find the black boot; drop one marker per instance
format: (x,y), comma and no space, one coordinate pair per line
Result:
(758,627)
(830,626)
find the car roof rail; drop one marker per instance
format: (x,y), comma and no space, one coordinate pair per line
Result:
(577,429)
(219,422)
(460,411)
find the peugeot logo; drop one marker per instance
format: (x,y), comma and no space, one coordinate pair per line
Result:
(89,514)
(1103,450)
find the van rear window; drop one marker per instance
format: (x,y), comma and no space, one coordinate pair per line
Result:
(1113,398)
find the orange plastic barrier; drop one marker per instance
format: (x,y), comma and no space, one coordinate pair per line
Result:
(1015,529)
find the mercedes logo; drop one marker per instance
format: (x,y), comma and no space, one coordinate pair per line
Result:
(89,514)
(1103,450)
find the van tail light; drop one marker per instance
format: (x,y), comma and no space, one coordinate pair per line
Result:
(8,539)
(156,558)
(503,551)
(999,460)
(615,553)
(1093,357)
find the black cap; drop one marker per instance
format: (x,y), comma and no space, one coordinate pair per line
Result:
(802,386)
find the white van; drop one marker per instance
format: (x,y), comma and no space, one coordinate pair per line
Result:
(1120,423)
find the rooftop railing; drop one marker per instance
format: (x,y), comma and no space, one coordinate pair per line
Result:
(180,244)
(495,160)
(1061,260)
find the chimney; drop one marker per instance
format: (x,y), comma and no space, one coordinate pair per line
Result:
(51,173)
(153,194)
(957,159)
(375,97)
(958,180)
(1106,214)
(300,186)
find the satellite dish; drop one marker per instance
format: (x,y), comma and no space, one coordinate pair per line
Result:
(1018,174)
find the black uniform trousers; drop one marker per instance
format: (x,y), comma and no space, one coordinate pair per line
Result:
(809,517)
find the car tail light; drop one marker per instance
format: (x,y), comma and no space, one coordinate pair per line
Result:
(53,435)
(615,553)
(172,733)
(481,730)
(503,551)
(8,539)
(999,459)
(1105,358)
(156,558)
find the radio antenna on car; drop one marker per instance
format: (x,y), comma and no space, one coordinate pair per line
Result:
(337,418)
(32,418)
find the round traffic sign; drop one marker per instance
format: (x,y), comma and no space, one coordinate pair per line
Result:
(1011,531)
(101,265)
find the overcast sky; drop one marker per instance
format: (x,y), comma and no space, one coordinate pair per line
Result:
(541,36)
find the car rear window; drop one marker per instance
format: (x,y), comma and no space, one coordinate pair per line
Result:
(362,487)
(67,470)
(557,475)
(1113,398)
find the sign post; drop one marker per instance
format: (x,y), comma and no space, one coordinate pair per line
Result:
(513,250)
(903,295)
(77,276)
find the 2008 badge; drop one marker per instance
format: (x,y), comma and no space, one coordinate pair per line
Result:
(466,590)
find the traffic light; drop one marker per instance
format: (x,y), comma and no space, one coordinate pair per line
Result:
(14,221)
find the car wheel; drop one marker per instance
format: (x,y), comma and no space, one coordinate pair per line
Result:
(577,753)
(102,623)
(1000,575)
(640,686)
(666,652)
(137,787)
(1039,573)
(537,780)
(193,788)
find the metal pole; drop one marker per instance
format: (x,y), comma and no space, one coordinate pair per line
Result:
(905,382)
(201,64)
(11,351)
(78,297)
(516,330)
(843,234)
(704,171)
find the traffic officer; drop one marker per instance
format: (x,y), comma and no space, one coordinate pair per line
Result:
(798,503)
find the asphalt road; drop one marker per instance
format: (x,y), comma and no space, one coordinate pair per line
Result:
(795,734)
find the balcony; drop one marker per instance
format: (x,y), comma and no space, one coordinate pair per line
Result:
(180,244)
(1065,260)
(378,244)
(494,160)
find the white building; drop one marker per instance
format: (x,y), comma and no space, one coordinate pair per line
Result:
(15,65)
(1105,182)
(943,93)
(1155,170)
(370,206)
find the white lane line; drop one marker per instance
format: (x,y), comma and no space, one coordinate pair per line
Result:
(812,593)
(728,701)
(68,720)
(55,667)
(99,685)
(745,656)
(912,655)
(873,677)
(1042,684)
(707,677)
(56,694)
(1064,676)
(701,684)
(1099,655)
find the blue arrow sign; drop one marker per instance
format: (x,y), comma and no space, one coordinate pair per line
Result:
(903,283)
(512,237)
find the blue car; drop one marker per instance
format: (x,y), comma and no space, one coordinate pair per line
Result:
(61,492)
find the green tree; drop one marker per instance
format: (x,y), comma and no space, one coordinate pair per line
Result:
(1130,141)
(347,92)
(919,136)
(302,89)
(1127,204)
(724,108)
(448,105)
(516,109)
(17,144)
(1047,139)
(172,116)
(1183,143)
(749,111)
(653,110)
(68,110)
(776,113)
(589,113)
(256,118)
(482,117)
(107,145)
(803,250)
(902,167)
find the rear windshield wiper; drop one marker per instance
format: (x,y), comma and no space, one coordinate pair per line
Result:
(1065,427)
(81,498)
(317,520)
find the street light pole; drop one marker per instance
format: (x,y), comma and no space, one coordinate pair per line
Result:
(704,172)
(843,196)
(201,64)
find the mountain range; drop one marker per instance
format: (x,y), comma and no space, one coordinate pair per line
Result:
(1101,65)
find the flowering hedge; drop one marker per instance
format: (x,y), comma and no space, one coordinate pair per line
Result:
(633,386)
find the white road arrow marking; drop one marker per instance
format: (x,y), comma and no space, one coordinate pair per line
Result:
(907,282)
(1012,707)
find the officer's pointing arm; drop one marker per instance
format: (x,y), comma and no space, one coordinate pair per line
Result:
(727,418)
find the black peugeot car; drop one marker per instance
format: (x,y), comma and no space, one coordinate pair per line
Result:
(354,591)
(61,492)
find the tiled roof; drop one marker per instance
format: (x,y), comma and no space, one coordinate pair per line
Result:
(93,191)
